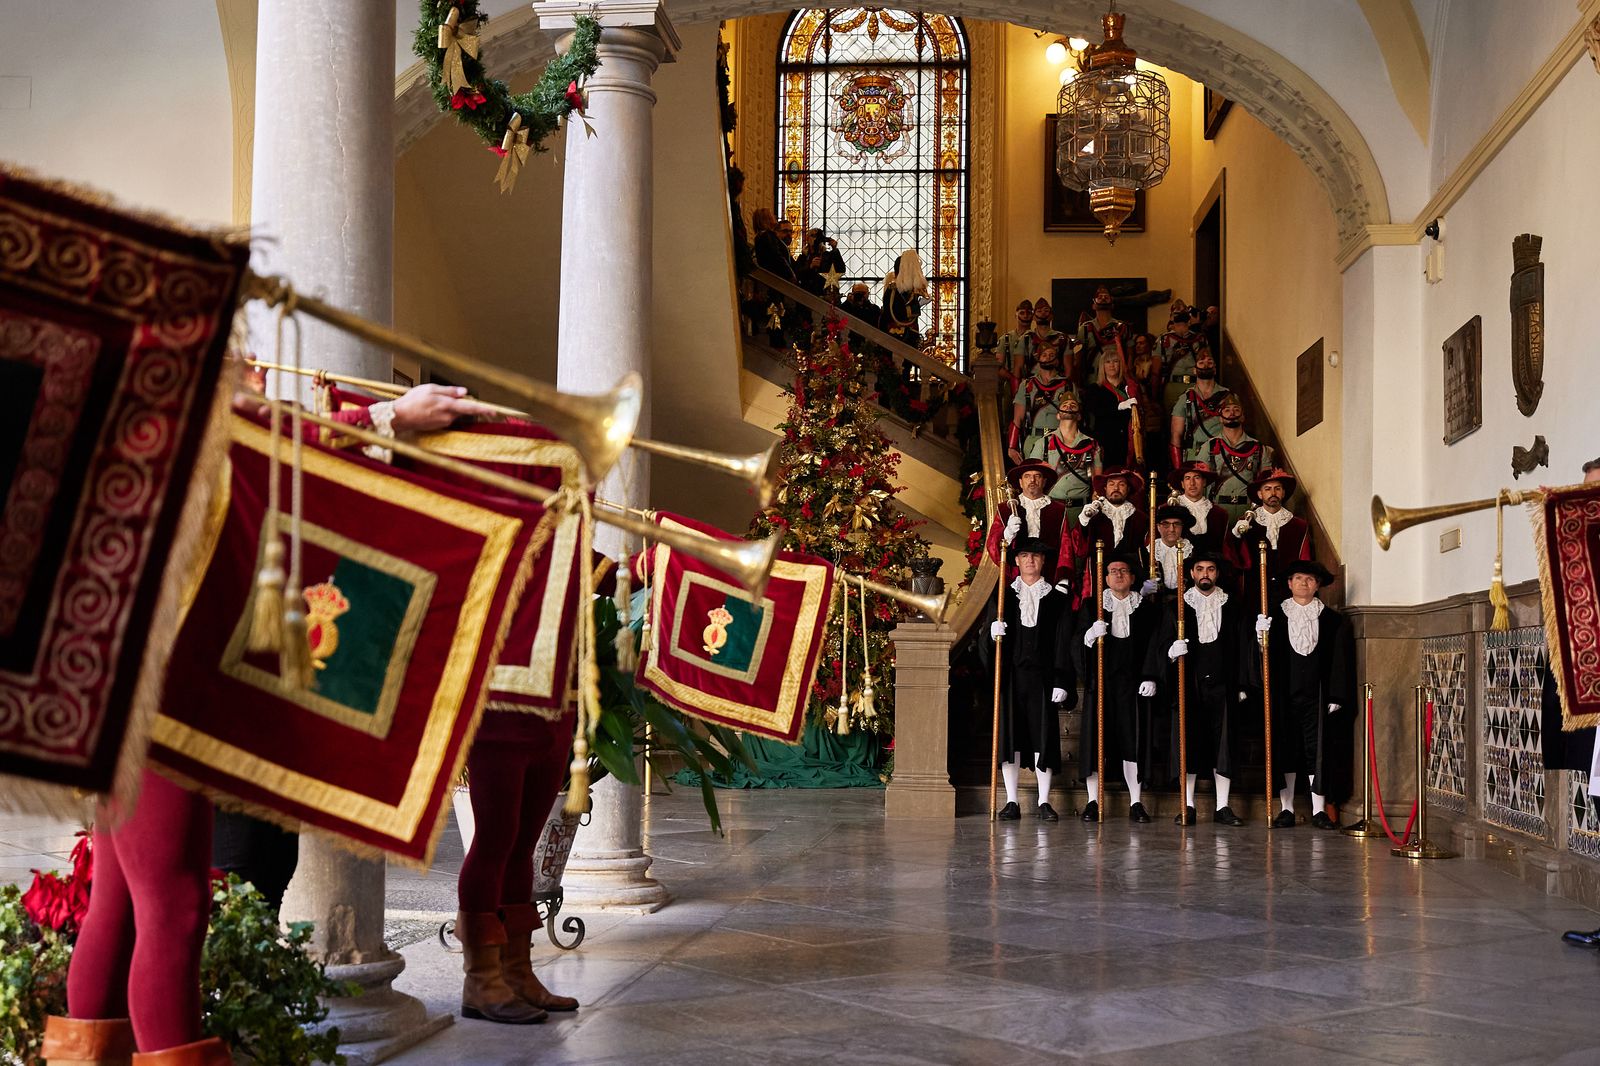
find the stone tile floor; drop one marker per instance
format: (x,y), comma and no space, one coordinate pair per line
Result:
(818,932)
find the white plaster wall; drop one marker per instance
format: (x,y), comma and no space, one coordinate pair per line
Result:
(129,98)
(1543,182)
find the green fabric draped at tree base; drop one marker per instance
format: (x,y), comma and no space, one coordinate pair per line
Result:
(822,759)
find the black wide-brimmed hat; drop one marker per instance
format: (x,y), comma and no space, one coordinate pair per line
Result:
(1175,513)
(1029,545)
(1312,567)
(1278,474)
(1039,466)
(1134,479)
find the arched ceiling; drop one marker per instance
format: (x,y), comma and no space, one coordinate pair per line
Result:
(1261,80)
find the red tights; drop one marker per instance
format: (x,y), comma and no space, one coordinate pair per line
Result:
(515,768)
(138,954)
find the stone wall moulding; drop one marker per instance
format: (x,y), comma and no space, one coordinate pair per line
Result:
(1277,92)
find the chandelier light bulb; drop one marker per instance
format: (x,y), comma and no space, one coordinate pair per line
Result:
(1067,75)
(1056,53)
(1078,44)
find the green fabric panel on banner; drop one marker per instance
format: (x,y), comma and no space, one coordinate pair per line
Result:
(354,674)
(742,632)
(822,759)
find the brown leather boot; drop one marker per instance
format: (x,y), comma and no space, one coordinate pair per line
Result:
(485,994)
(516,963)
(207,1052)
(87,1041)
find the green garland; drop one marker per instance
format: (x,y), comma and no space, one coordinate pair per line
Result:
(487,105)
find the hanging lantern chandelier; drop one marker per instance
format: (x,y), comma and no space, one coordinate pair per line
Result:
(1114,128)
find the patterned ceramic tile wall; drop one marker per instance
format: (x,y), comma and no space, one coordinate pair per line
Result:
(1513,761)
(1583,824)
(1444,672)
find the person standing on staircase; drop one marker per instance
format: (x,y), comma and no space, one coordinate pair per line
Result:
(1129,622)
(1236,458)
(1072,454)
(1033,410)
(1197,416)
(1194,481)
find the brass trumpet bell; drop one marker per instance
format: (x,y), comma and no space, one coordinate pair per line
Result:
(933,605)
(758,470)
(750,561)
(1388,521)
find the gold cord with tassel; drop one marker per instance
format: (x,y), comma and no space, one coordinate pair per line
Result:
(627,652)
(266,618)
(1501,622)
(294,658)
(646,631)
(588,671)
(868,704)
(841,724)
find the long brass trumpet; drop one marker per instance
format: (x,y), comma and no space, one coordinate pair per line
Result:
(1387,521)
(599,427)
(750,561)
(758,470)
(932,605)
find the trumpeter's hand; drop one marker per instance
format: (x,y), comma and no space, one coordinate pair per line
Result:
(1147,688)
(1094,633)
(427,408)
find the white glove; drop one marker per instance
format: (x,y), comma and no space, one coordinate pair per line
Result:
(1064,586)
(1263,625)
(1333,708)
(1129,404)
(1147,688)
(1058,695)
(1178,650)
(1243,696)
(1149,587)
(1013,527)
(1241,527)
(997,630)
(1090,509)
(1094,633)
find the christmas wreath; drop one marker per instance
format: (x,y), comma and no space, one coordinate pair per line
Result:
(513,125)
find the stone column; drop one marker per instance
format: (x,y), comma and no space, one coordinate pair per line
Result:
(921,785)
(604,333)
(323,200)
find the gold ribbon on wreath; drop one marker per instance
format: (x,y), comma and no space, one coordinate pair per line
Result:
(515,150)
(456,39)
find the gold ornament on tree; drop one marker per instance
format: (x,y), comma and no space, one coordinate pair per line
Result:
(514,149)
(455,39)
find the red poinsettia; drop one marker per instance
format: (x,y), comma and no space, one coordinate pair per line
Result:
(574,97)
(497,150)
(468,98)
(60,903)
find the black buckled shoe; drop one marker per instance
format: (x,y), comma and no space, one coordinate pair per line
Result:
(1581,939)
(1225,816)
(1091,811)
(1320,820)
(1048,813)
(1137,813)
(1284,820)
(1009,813)
(1186,818)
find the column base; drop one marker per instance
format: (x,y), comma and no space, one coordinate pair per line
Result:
(920,796)
(613,881)
(380,1022)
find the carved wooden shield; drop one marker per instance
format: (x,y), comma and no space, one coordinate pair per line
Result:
(1527,322)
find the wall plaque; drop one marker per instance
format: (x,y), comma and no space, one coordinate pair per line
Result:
(1463,380)
(1308,388)
(1527,322)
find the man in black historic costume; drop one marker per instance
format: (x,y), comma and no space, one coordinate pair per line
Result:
(1312,655)
(1172,528)
(1129,621)
(1213,641)
(1036,672)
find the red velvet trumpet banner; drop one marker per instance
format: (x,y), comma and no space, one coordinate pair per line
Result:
(536,662)
(411,585)
(1566,527)
(112,334)
(721,656)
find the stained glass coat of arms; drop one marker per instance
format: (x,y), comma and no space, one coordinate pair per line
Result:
(872,147)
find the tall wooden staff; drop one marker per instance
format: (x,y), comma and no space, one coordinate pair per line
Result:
(1100,675)
(1155,571)
(1183,707)
(1000,616)
(1266,675)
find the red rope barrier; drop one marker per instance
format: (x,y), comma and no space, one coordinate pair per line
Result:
(1377,790)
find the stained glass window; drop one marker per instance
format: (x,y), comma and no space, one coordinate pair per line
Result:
(872,148)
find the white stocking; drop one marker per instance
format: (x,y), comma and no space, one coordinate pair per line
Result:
(1092,783)
(1008,773)
(1319,803)
(1044,785)
(1286,796)
(1223,785)
(1130,774)
(1188,790)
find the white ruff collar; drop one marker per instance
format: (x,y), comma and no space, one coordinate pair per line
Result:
(1033,511)
(1028,597)
(1272,523)
(1167,556)
(1303,628)
(1201,509)
(1119,513)
(1121,612)
(1207,611)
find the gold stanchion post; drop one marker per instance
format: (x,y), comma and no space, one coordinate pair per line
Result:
(1368,826)
(1419,847)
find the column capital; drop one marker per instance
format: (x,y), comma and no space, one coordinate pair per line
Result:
(560,16)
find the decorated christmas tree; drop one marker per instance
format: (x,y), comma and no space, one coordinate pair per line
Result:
(837,501)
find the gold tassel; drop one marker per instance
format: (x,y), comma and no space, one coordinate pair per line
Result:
(266,621)
(1501,622)
(578,788)
(842,722)
(868,704)
(627,652)
(294,659)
